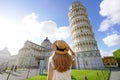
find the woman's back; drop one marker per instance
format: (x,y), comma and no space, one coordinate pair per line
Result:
(60,75)
(60,62)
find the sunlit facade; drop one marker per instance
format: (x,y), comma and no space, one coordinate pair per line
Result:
(31,54)
(83,41)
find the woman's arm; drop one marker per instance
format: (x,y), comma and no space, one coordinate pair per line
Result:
(72,53)
(50,71)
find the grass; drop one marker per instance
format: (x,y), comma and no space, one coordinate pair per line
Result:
(89,74)
(80,75)
(110,66)
(39,77)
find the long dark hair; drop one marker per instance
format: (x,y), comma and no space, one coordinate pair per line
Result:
(62,62)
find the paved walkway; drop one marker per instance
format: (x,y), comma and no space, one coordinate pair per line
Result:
(115,75)
(18,75)
(23,74)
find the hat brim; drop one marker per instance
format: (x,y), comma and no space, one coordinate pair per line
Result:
(57,51)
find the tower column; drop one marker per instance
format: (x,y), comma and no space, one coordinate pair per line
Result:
(83,41)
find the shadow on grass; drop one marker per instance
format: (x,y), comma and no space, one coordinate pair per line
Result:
(73,78)
(43,75)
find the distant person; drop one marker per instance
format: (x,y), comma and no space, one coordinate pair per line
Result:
(5,69)
(12,68)
(60,62)
(15,68)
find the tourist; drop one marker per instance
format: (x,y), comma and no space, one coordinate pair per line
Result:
(60,62)
(12,68)
(15,68)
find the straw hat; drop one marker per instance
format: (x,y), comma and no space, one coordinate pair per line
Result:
(60,47)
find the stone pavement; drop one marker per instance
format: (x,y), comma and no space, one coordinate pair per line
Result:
(115,75)
(19,75)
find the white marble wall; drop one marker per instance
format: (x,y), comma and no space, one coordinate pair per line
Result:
(83,41)
(29,54)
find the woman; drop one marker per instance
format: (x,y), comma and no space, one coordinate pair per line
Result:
(60,62)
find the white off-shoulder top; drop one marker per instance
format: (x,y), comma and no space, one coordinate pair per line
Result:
(59,75)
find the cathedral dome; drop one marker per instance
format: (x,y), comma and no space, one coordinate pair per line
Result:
(46,43)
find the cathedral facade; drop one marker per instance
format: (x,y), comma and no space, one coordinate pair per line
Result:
(83,41)
(31,54)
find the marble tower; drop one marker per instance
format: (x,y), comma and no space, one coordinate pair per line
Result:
(83,40)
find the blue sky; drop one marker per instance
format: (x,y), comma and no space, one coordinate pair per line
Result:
(34,20)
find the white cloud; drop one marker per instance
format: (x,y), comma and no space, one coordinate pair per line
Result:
(112,40)
(106,53)
(13,34)
(62,33)
(45,29)
(111,11)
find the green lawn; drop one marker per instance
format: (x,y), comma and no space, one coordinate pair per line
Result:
(80,75)
(90,74)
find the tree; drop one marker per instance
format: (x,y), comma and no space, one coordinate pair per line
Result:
(116,54)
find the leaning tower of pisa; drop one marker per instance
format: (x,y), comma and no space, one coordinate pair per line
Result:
(83,40)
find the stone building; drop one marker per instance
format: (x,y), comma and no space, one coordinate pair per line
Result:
(83,41)
(109,61)
(31,54)
(4,58)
